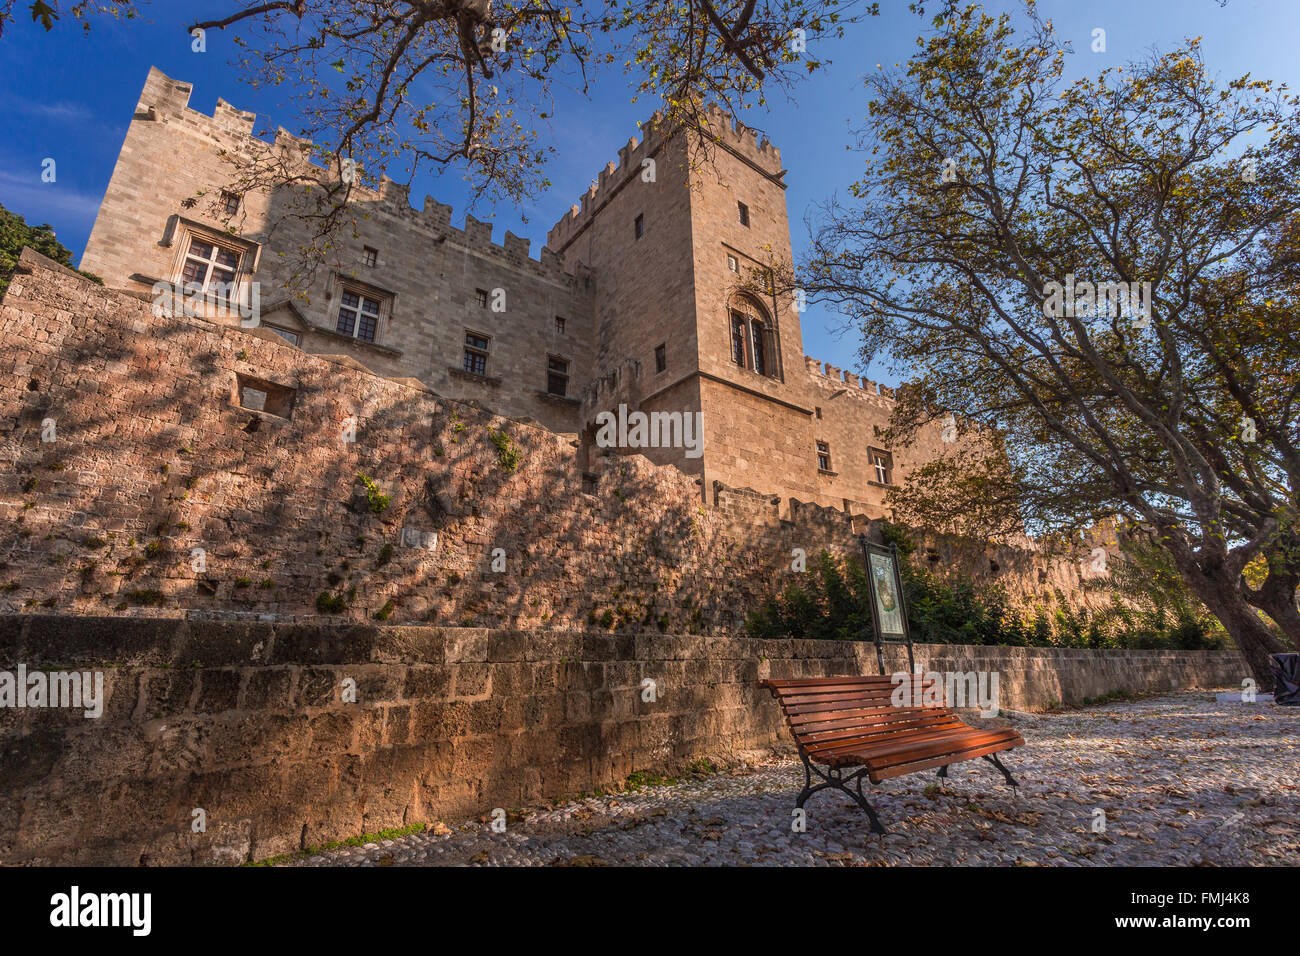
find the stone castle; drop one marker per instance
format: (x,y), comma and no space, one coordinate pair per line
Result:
(654,293)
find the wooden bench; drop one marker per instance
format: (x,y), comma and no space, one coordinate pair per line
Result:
(839,723)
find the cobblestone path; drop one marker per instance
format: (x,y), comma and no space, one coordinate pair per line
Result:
(1180,778)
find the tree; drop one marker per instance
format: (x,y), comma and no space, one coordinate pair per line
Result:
(394,87)
(1160,385)
(15,234)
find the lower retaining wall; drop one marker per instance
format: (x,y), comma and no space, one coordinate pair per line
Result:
(248,723)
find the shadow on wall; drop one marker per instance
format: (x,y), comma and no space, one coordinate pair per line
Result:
(140,485)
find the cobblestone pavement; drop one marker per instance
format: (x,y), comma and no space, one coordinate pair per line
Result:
(1182,780)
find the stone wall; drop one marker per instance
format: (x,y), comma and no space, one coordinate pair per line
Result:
(135,481)
(248,723)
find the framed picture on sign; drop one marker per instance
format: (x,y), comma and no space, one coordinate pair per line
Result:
(886,589)
(885,585)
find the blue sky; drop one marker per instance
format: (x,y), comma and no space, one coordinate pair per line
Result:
(70,96)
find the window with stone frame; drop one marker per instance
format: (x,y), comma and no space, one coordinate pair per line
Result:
(882,466)
(661,358)
(370,256)
(557,376)
(260,395)
(639,226)
(358,314)
(823,456)
(743,212)
(210,267)
(229,202)
(476,352)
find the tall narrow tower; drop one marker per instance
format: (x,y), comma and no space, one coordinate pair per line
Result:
(683,239)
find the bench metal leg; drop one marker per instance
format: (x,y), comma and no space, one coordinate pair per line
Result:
(943,771)
(993,759)
(835,779)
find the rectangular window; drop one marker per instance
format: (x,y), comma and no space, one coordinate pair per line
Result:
(481,296)
(733,265)
(210,268)
(290,337)
(372,256)
(744,214)
(557,376)
(823,456)
(738,339)
(882,463)
(230,202)
(559,325)
(259,395)
(358,316)
(661,358)
(640,226)
(756,346)
(476,353)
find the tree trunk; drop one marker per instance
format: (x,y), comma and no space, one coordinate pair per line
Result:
(1223,594)
(1276,598)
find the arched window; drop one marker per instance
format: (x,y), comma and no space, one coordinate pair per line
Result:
(752,339)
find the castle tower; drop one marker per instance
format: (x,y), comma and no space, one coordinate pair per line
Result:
(683,242)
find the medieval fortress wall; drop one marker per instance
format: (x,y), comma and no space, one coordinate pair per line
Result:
(137,482)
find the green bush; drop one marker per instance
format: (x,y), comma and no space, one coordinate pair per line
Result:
(831,602)
(377,499)
(327,603)
(507,450)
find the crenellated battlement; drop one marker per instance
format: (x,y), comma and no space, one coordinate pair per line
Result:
(611,179)
(828,376)
(732,135)
(165,99)
(743,139)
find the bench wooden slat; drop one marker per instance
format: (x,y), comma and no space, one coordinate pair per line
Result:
(878,732)
(854,744)
(952,741)
(825,681)
(818,685)
(809,704)
(830,720)
(899,770)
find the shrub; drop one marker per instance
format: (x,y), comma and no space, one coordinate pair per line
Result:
(377,499)
(147,598)
(507,450)
(831,602)
(327,603)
